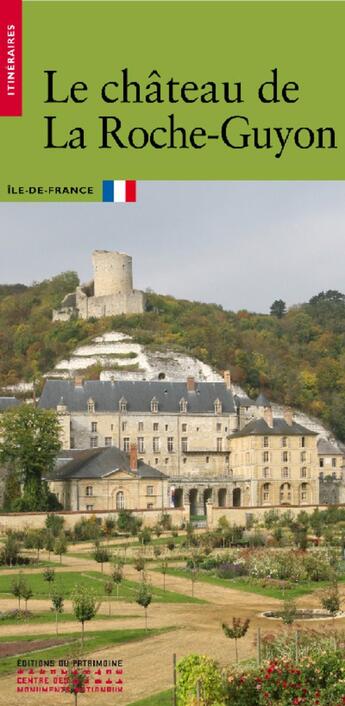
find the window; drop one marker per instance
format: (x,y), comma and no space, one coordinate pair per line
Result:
(321,462)
(183,405)
(126,444)
(93,426)
(123,405)
(265,440)
(72,442)
(184,444)
(93,442)
(123,426)
(303,456)
(140,426)
(89,490)
(184,460)
(285,493)
(89,508)
(285,472)
(219,444)
(90,406)
(156,444)
(303,441)
(170,444)
(285,457)
(166,461)
(149,490)
(227,460)
(284,441)
(303,472)
(304,492)
(219,426)
(265,457)
(156,461)
(120,500)
(334,462)
(184,427)
(140,444)
(149,506)
(207,459)
(266,492)
(155,426)
(217,406)
(166,427)
(265,472)
(154,405)
(108,441)
(112,427)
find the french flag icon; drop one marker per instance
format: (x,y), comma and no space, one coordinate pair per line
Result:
(124,191)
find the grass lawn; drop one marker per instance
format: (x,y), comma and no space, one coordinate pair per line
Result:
(165,698)
(46,616)
(239,585)
(95,579)
(93,642)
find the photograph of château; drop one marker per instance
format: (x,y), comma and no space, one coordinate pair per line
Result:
(172,448)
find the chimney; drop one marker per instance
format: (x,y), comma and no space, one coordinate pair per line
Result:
(133,457)
(227,379)
(288,415)
(190,384)
(78,381)
(268,416)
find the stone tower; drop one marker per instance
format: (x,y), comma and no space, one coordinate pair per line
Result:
(110,293)
(112,273)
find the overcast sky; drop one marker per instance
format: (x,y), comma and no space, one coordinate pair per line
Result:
(239,244)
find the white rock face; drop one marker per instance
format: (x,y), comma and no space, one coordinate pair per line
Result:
(122,359)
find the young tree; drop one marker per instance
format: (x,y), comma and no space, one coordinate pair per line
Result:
(29,446)
(145,536)
(17,587)
(331,600)
(101,555)
(54,523)
(49,576)
(157,551)
(85,606)
(236,631)
(117,577)
(108,589)
(144,597)
(57,599)
(38,541)
(288,613)
(49,542)
(139,564)
(164,569)
(109,527)
(27,593)
(60,546)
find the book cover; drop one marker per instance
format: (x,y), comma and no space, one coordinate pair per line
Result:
(172,389)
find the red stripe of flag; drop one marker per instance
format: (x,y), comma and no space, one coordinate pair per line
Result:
(131,191)
(10,57)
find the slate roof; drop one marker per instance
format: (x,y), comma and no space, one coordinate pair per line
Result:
(325,446)
(98,463)
(262,401)
(8,403)
(139,393)
(259,427)
(244,401)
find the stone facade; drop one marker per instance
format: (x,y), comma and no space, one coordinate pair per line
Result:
(110,293)
(214,447)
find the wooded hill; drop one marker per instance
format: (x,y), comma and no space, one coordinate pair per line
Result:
(296,357)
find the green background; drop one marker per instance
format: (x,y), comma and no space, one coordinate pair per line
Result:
(220,41)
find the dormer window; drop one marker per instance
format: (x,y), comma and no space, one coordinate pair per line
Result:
(217,406)
(154,405)
(183,405)
(123,405)
(90,406)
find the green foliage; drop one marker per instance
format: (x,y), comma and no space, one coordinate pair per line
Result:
(84,604)
(55,524)
(330,600)
(49,575)
(126,522)
(29,446)
(10,549)
(60,546)
(20,588)
(101,555)
(278,308)
(200,681)
(288,613)
(87,528)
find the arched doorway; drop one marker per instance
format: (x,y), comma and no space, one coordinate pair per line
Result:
(193,498)
(177,497)
(207,496)
(222,497)
(285,494)
(236,497)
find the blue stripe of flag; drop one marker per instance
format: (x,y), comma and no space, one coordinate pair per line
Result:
(108,191)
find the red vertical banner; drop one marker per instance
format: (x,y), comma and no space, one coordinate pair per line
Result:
(11,57)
